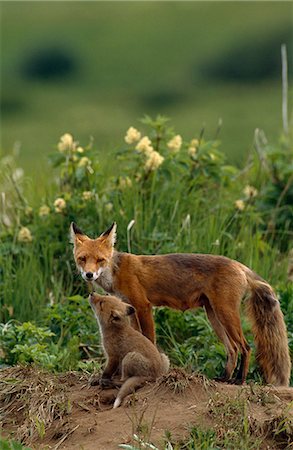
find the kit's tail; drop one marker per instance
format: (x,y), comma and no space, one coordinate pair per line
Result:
(128,387)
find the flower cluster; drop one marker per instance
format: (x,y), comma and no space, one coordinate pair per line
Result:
(175,144)
(24,235)
(60,205)
(193,146)
(249,193)
(144,145)
(132,135)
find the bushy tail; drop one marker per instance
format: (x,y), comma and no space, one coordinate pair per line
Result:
(269,331)
(128,387)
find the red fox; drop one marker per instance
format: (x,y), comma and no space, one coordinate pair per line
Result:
(130,354)
(184,281)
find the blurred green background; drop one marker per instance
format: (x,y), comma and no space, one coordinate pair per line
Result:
(94,68)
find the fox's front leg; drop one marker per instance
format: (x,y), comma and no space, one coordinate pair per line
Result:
(110,369)
(146,320)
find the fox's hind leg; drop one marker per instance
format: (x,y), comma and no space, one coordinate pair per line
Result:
(231,347)
(230,321)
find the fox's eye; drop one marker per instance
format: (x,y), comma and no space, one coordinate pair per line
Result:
(82,258)
(99,260)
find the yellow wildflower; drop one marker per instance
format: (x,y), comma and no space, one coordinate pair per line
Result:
(44,211)
(84,161)
(194,143)
(193,146)
(239,204)
(24,235)
(132,135)
(154,161)
(66,143)
(80,150)
(175,144)
(192,151)
(145,146)
(60,205)
(250,191)
(87,195)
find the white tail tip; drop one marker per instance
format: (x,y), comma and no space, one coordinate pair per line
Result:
(117,403)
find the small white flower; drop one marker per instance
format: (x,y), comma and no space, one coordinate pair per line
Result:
(24,235)
(239,204)
(80,150)
(175,144)
(154,161)
(250,191)
(60,205)
(44,211)
(132,135)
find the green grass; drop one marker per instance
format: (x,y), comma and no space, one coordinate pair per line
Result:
(135,58)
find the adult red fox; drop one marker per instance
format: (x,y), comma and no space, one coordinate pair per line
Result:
(129,354)
(184,281)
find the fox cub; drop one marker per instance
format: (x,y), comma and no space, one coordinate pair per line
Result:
(129,354)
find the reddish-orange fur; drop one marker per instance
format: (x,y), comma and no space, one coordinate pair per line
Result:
(185,281)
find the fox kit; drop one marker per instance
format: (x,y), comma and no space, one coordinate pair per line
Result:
(184,281)
(128,352)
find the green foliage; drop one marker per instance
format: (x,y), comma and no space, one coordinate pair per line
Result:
(276,201)
(70,335)
(26,343)
(11,445)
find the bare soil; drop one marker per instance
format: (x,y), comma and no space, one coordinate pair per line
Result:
(47,411)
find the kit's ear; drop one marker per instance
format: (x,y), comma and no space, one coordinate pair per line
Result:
(110,234)
(130,310)
(76,235)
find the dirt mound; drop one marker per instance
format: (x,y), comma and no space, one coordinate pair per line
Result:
(69,412)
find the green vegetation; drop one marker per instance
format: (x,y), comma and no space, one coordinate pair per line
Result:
(11,445)
(182,197)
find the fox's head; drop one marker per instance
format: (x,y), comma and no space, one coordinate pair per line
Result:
(92,256)
(110,310)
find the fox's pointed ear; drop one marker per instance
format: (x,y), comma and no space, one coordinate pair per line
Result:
(76,235)
(110,234)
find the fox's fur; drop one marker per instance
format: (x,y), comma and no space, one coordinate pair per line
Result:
(129,354)
(184,281)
